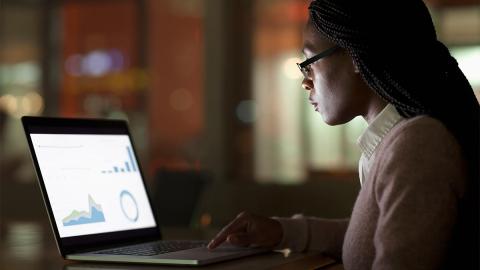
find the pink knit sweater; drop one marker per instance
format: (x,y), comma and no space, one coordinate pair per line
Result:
(406,209)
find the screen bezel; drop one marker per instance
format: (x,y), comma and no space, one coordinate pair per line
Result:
(75,244)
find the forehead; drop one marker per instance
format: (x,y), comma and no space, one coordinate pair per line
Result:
(313,40)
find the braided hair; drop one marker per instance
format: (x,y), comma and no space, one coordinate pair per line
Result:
(395,47)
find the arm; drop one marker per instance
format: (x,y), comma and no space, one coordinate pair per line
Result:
(418,184)
(297,234)
(310,233)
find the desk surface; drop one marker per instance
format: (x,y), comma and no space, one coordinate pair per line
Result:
(29,246)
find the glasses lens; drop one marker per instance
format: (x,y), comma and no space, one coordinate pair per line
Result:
(305,71)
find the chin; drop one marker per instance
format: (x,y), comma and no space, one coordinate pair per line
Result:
(334,121)
(329,121)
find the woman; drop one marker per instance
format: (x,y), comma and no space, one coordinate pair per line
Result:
(418,205)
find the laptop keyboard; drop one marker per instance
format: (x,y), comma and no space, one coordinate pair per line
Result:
(154,248)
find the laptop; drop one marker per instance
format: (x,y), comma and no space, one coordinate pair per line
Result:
(96,198)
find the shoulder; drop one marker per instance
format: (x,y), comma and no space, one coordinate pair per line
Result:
(420,150)
(420,135)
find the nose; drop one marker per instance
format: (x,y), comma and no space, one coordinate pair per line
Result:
(307,84)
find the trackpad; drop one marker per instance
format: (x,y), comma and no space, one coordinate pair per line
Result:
(204,255)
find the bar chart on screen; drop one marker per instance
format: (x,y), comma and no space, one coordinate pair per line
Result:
(130,165)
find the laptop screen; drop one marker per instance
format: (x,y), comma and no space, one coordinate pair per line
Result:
(93,183)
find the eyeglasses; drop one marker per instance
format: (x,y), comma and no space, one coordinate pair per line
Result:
(305,65)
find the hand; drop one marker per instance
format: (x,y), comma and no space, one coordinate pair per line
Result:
(249,230)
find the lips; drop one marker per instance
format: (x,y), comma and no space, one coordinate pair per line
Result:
(315,105)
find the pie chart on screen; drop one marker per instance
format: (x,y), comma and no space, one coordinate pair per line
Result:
(129,205)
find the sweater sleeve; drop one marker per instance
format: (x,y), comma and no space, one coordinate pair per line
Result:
(418,184)
(309,233)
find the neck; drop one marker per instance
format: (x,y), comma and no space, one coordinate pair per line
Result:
(375,107)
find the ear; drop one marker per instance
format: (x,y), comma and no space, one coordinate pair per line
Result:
(355,67)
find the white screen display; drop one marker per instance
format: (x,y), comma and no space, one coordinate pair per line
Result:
(93,183)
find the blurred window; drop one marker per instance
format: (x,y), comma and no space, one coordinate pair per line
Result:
(468,58)
(20,84)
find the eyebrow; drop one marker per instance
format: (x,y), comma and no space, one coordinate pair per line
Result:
(306,47)
(303,50)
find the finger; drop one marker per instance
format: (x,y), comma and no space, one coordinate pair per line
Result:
(240,239)
(235,226)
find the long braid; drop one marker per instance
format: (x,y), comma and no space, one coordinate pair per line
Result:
(408,67)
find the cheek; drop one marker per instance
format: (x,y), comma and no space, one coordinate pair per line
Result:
(327,91)
(332,92)
(326,98)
